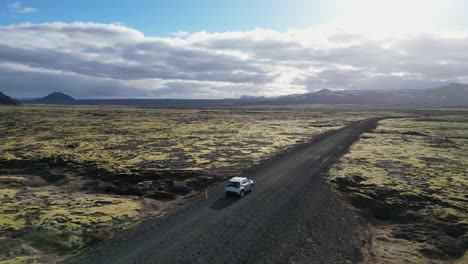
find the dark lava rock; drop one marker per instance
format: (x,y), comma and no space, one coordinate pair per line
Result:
(464,241)
(385,211)
(151,165)
(413,133)
(146,185)
(414,232)
(200,182)
(431,252)
(361,200)
(432,160)
(401,176)
(120,190)
(392,164)
(452,229)
(54,178)
(72,145)
(345,182)
(130,191)
(169,182)
(179,188)
(98,234)
(439,244)
(409,217)
(8,245)
(451,246)
(443,143)
(357,177)
(383,203)
(160,195)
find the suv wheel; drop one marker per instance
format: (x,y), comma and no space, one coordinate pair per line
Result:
(241,194)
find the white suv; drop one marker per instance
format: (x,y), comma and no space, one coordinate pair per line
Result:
(239,186)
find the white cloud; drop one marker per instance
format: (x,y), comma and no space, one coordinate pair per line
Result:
(112,60)
(17,7)
(26,10)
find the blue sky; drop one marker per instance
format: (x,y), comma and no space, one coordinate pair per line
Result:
(163,17)
(115,49)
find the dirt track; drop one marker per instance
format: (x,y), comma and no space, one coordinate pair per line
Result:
(292,217)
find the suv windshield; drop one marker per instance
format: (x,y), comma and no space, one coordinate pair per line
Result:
(234,184)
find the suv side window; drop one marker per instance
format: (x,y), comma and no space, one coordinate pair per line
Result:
(244,181)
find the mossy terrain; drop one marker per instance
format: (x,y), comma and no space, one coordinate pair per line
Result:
(412,175)
(70,176)
(21,260)
(41,219)
(121,140)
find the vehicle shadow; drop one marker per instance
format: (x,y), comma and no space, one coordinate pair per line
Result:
(224,202)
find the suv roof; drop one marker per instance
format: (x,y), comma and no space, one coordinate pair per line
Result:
(237,179)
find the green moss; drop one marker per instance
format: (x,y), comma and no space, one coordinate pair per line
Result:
(7,193)
(62,222)
(9,178)
(21,260)
(48,239)
(122,139)
(125,141)
(414,162)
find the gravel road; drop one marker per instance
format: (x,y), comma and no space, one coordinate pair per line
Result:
(293,216)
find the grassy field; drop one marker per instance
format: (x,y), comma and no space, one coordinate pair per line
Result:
(70,176)
(412,175)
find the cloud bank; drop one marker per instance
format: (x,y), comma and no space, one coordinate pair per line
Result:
(89,60)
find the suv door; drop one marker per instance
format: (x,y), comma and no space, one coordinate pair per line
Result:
(243,184)
(246,185)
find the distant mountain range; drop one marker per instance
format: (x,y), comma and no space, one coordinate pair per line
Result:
(6,100)
(454,94)
(451,95)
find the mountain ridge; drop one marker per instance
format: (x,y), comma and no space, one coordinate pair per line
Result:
(6,100)
(451,95)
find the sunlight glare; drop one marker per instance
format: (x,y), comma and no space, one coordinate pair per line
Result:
(392,16)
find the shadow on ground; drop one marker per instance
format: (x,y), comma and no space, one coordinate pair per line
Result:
(224,202)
